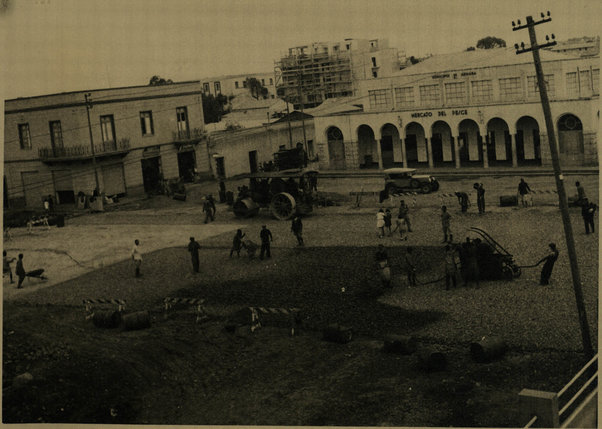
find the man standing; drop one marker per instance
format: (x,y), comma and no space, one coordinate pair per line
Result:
(480,197)
(266,238)
(212,205)
(550,259)
(137,257)
(237,243)
(445,224)
(404,213)
(588,210)
(524,190)
(20,271)
(297,228)
(382,262)
(451,266)
(463,201)
(193,248)
(207,209)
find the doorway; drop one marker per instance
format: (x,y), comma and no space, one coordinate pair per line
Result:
(220,168)
(386,149)
(151,174)
(186,165)
(253,166)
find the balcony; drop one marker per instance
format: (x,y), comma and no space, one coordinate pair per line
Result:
(188,136)
(82,152)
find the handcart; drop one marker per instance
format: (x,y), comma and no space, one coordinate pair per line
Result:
(495,262)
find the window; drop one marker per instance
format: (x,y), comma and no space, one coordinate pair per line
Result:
(348,46)
(374,73)
(380,98)
(218,88)
(455,93)
(430,94)
(236,84)
(510,88)
(373,61)
(404,97)
(271,81)
(146,123)
(182,118)
(533,88)
(107,128)
(24,136)
(244,83)
(206,87)
(482,90)
(596,81)
(585,83)
(571,84)
(263,81)
(56,134)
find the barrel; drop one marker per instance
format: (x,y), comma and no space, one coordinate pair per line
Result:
(508,200)
(245,207)
(488,349)
(401,344)
(137,320)
(106,319)
(338,334)
(431,360)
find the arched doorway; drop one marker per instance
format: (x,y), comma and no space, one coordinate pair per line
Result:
(499,143)
(367,151)
(388,144)
(470,143)
(442,145)
(570,140)
(336,148)
(528,150)
(416,152)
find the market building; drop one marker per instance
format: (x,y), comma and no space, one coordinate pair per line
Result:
(475,108)
(135,137)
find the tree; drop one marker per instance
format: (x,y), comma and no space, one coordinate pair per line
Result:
(214,107)
(158,80)
(256,88)
(490,42)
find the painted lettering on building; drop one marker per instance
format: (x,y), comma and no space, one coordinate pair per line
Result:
(461,112)
(470,73)
(422,114)
(440,76)
(440,113)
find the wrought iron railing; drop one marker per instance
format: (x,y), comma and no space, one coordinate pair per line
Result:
(84,151)
(191,134)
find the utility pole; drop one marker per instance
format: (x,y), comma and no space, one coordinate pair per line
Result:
(88,107)
(564,209)
(300,92)
(288,114)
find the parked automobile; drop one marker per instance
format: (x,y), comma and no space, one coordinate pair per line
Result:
(405,179)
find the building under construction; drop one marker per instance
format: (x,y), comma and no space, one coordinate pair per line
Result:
(310,74)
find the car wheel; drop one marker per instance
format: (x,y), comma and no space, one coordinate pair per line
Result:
(414,183)
(425,189)
(434,186)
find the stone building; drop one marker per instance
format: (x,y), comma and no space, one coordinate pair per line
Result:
(137,136)
(475,108)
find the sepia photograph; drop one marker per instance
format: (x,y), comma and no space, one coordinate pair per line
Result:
(308,213)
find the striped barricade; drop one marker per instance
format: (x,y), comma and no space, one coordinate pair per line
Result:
(198,302)
(258,312)
(90,302)
(407,194)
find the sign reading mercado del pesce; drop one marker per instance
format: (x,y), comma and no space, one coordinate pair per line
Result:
(440,113)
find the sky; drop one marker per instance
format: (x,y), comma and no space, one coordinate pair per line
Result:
(53,46)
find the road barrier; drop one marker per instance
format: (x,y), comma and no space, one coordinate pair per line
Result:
(201,314)
(258,313)
(90,301)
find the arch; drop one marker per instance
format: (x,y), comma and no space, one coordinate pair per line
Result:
(389,145)
(442,145)
(367,150)
(570,140)
(336,148)
(498,142)
(528,146)
(470,143)
(415,144)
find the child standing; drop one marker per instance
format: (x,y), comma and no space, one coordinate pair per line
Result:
(380,223)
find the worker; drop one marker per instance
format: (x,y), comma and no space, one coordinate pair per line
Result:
(266,237)
(208,210)
(550,260)
(137,257)
(382,263)
(193,248)
(237,243)
(451,266)
(20,271)
(404,212)
(523,191)
(297,229)
(588,211)
(445,224)
(480,197)
(463,201)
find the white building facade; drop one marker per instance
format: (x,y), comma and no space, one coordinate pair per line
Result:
(476,108)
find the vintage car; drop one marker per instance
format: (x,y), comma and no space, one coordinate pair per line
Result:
(405,179)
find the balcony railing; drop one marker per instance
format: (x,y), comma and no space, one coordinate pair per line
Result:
(84,151)
(188,135)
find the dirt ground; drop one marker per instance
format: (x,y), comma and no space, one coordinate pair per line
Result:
(181,372)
